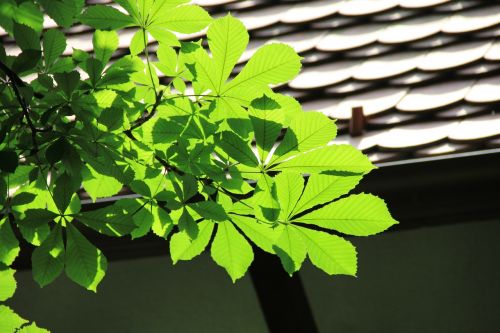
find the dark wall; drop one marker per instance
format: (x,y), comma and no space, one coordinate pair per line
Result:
(436,279)
(145,296)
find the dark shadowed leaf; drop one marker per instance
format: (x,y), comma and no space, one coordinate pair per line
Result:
(8,161)
(85,264)
(111,221)
(105,17)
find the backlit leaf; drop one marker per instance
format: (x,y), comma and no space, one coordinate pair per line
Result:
(307,130)
(267,122)
(100,186)
(137,44)
(358,215)
(85,264)
(231,250)
(111,221)
(9,320)
(185,19)
(271,64)
(265,199)
(227,39)
(48,259)
(105,17)
(7,284)
(237,149)
(188,225)
(330,253)
(324,188)
(291,249)
(289,187)
(105,43)
(9,245)
(184,248)
(28,13)
(335,158)
(262,234)
(209,210)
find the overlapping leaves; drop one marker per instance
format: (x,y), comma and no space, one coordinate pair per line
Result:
(206,157)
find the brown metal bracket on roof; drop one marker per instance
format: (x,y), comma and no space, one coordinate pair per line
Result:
(357,121)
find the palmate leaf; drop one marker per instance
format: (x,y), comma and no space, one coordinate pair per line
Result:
(36,217)
(265,199)
(291,249)
(68,81)
(267,121)
(9,245)
(188,157)
(188,225)
(162,223)
(289,187)
(307,130)
(184,248)
(161,130)
(28,13)
(206,72)
(209,210)
(63,11)
(237,148)
(54,44)
(338,158)
(330,253)
(7,283)
(64,188)
(358,215)
(9,320)
(112,220)
(146,216)
(231,250)
(168,60)
(323,188)
(227,39)
(163,36)
(26,38)
(48,259)
(100,186)
(105,17)
(137,44)
(184,19)
(85,264)
(271,64)
(263,235)
(105,43)
(159,8)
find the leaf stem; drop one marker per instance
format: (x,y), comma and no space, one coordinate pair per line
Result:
(144,35)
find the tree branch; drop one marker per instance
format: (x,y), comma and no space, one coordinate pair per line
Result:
(15,83)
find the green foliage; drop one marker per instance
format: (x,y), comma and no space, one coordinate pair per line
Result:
(231,165)
(11,322)
(8,284)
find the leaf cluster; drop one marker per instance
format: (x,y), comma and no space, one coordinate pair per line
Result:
(213,159)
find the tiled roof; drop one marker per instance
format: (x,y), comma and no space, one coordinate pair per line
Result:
(426,72)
